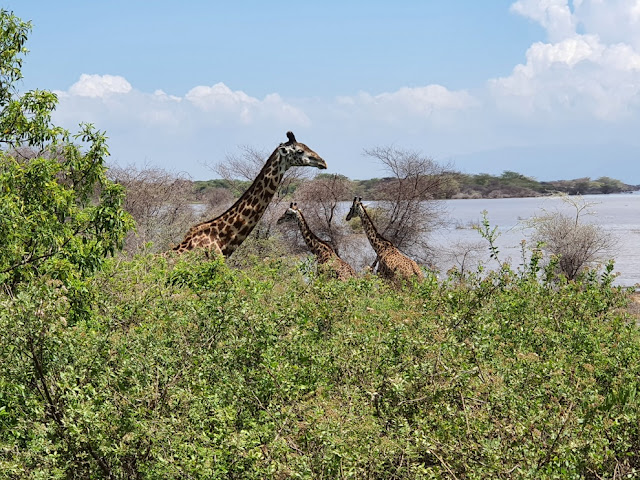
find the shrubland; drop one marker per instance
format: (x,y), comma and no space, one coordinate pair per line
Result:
(189,368)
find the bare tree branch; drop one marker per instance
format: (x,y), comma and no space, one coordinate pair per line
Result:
(407,199)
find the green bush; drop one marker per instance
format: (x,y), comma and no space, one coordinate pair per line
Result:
(59,215)
(187,368)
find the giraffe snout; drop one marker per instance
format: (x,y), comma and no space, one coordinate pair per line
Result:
(321,164)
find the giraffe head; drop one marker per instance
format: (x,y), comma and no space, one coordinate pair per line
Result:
(355,206)
(297,154)
(291,215)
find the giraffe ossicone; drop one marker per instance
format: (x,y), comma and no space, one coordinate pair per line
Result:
(392,263)
(223,234)
(328,259)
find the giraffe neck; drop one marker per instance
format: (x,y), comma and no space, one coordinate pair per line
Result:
(242,217)
(319,248)
(377,241)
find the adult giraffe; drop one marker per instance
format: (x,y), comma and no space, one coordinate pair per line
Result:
(392,263)
(226,232)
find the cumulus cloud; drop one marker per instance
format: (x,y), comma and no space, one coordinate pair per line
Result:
(576,73)
(554,16)
(431,103)
(614,21)
(220,98)
(113,96)
(99,86)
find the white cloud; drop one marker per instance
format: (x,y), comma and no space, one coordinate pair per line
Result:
(554,16)
(112,96)
(575,73)
(433,104)
(614,21)
(164,97)
(422,100)
(99,86)
(220,98)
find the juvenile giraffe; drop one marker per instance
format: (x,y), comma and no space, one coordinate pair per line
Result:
(328,259)
(392,264)
(225,233)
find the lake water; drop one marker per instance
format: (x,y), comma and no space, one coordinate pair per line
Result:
(618,214)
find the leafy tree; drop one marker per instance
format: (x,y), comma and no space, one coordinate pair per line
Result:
(518,180)
(610,185)
(59,214)
(60,217)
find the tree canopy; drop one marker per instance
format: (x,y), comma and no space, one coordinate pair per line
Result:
(59,214)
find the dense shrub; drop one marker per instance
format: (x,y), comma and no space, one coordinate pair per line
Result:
(190,369)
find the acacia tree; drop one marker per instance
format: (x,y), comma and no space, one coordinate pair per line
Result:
(407,200)
(320,200)
(159,202)
(575,243)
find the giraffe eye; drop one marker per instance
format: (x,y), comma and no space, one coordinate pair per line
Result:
(299,151)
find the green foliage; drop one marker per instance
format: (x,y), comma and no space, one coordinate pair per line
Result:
(14,36)
(453,184)
(59,215)
(513,184)
(187,368)
(200,187)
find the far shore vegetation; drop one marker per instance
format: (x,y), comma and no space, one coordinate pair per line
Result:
(456,185)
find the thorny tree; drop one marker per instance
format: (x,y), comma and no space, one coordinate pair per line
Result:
(568,237)
(409,211)
(160,203)
(319,200)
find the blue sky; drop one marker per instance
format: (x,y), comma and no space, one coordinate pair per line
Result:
(548,88)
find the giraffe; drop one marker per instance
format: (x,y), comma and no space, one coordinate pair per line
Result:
(226,232)
(328,259)
(392,264)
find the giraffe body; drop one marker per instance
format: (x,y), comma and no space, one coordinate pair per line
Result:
(223,234)
(392,263)
(328,259)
